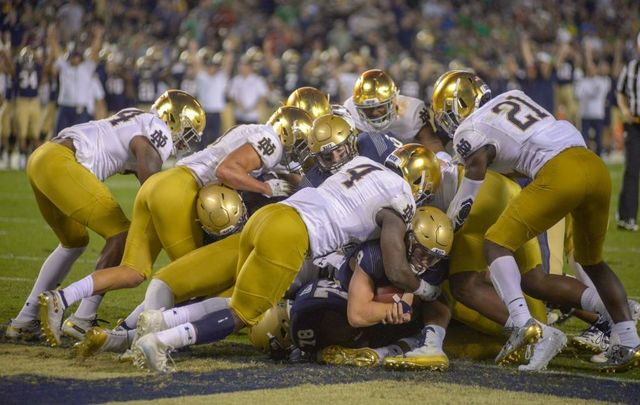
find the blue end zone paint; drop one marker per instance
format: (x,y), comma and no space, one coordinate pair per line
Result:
(35,390)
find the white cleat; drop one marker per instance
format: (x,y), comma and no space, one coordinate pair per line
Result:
(76,327)
(98,340)
(51,313)
(634,308)
(24,330)
(591,340)
(149,321)
(551,343)
(149,351)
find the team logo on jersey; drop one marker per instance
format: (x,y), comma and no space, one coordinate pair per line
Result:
(426,116)
(463,213)
(266,146)
(463,148)
(158,139)
(407,213)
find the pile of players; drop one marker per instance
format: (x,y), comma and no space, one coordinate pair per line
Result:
(357,214)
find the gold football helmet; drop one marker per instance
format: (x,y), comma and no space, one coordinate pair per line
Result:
(184,116)
(272,332)
(332,142)
(293,126)
(220,209)
(374,96)
(419,167)
(310,99)
(432,230)
(456,95)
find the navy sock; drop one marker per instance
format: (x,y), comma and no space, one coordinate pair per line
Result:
(215,326)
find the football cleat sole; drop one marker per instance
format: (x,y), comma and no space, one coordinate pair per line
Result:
(532,333)
(343,356)
(45,300)
(433,363)
(92,343)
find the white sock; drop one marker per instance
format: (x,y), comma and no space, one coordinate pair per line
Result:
(131,321)
(506,280)
(82,288)
(54,269)
(509,323)
(158,295)
(590,301)
(581,275)
(193,312)
(440,333)
(88,307)
(627,333)
(178,336)
(387,351)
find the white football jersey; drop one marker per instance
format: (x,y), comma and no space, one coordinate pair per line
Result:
(450,176)
(525,135)
(103,146)
(262,138)
(411,117)
(343,209)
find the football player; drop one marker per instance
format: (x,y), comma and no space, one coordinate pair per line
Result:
(377,106)
(164,211)
(361,201)
(67,176)
(342,318)
(220,212)
(512,133)
(27,104)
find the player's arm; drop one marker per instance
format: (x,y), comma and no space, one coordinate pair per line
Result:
(362,310)
(148,160)
(96,44)
(527,55)
(394,256)
(475,166)
(235,171)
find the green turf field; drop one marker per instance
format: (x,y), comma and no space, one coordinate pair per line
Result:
(26,240)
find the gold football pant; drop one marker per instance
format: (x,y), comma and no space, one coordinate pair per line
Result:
(27,117)
(6,118)
(467,253)
(207,271)
(273,245)
(164,216)
(71,198)
(576,181)
(49,119)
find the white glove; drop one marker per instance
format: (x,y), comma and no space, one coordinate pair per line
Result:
(280,188)
(427,292)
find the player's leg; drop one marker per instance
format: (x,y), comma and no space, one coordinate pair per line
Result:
(207,271)
(590,227)
(73,239)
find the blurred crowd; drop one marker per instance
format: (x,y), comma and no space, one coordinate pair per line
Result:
(242,58)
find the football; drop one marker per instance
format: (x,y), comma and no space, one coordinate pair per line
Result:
(385,294)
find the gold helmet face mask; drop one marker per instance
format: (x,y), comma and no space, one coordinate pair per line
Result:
(293,126)
(456,95)
(272,333)
(374,96)
(220,210)
(332,142)
(419,167)
(430,238)
(184,116)
(310,99)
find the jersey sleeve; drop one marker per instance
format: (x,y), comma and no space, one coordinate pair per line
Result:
(420,117)
(268,147)
(158,134)
(468,140)
(376,146)
(369,258)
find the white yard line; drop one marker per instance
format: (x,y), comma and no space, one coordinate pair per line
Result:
(36,258)
(21,279)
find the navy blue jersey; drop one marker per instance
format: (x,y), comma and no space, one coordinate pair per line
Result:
(28,80)
(318,319)
(369,256)
(375,146)
(53,89)
(115,93)
(146,85)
